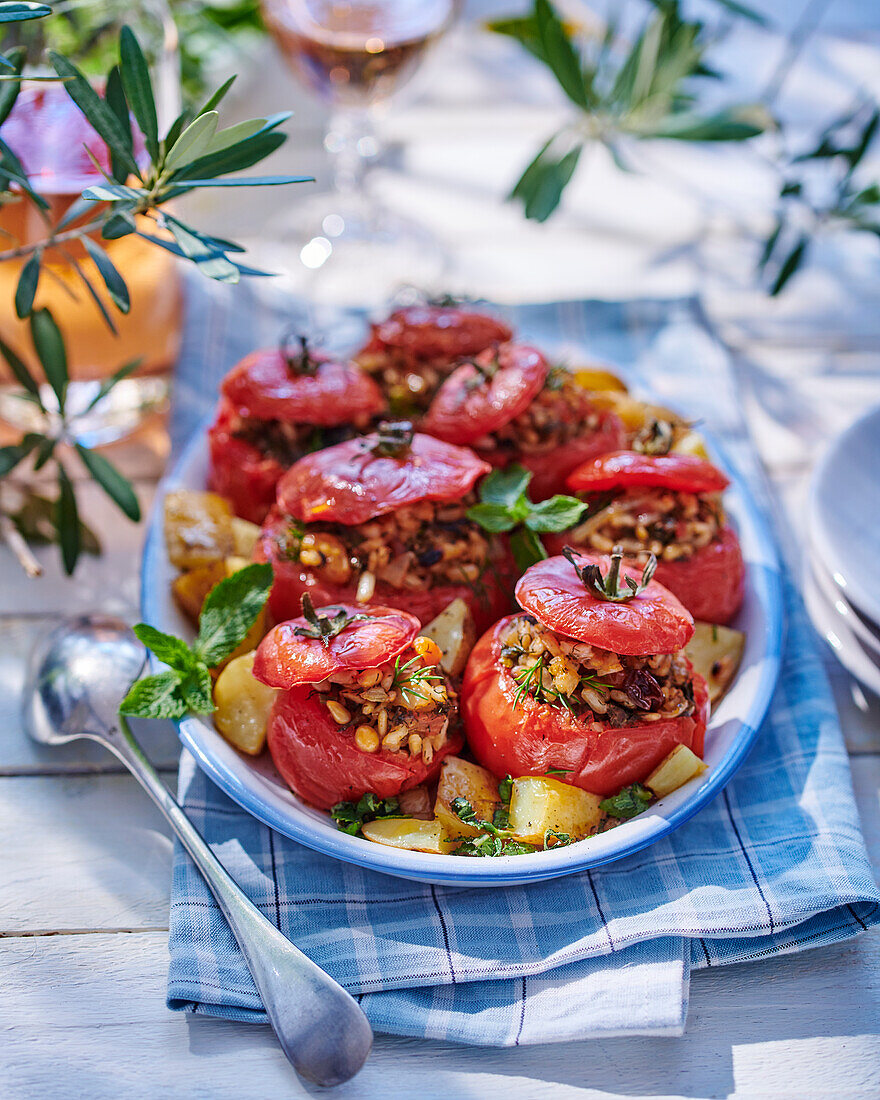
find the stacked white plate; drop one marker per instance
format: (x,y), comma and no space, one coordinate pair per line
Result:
(842,572)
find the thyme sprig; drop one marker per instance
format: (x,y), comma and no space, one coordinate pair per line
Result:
(407,679)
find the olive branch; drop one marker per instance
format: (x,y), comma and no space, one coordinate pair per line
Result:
(145,174)
(644,90)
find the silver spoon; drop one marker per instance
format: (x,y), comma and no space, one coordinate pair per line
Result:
(77,676)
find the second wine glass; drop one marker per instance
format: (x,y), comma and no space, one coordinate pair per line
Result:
(354,54)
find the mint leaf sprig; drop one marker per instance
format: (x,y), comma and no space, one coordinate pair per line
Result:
(229,612)
(505,507)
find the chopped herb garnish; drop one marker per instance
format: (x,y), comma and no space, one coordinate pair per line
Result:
(394,439)
(326,626)
(608,586)
(714,632)
(229,611)
(629,802)
(553,839)
(556,771)
(350,816)
(505,789)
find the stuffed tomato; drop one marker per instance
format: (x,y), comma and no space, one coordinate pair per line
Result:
(670,506)
(383,519)
(510,405)
(364,707)
(413,350)
(275,407)
(589,681)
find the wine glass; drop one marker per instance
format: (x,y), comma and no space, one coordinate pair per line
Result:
(354,54)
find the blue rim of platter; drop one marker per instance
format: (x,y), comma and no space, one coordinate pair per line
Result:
(317,831)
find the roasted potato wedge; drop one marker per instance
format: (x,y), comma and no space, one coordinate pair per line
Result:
(461,779)
(409,832)
(692,443)
(191,590)
(243,705)
(679,766)
(598,378)
(715,652)
(244,537)
(454,632)
(634,414)
(198,528)
(539,803)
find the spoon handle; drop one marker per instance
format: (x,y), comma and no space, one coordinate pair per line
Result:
(321,1028)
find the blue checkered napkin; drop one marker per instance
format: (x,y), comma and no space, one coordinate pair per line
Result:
(775,864)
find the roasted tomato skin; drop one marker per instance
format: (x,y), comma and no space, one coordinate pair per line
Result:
(348,483)
(239,471)
(652,622)
(533,737)
(710,583)
(286,658)
(628,469)
(321,764)
(425,332)
(265,387)
(491,598)
(466,407)
(550,469)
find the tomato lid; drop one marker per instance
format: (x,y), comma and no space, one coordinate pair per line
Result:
(354,481)
(652,622)
(622,469)
(336,638)
(482,396)
(310,387)
(433,332)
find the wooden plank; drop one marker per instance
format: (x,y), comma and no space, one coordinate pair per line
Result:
(86,1016)
(81,852)
(89,852)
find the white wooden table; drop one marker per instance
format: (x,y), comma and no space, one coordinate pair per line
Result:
(84,861)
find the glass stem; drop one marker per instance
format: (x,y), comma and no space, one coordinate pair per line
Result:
(352,144)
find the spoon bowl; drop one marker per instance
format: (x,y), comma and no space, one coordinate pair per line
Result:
(77,676)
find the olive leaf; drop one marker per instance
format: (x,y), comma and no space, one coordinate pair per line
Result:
(634,88)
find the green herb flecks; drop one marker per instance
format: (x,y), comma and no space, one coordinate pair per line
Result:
(323,627)
(554,839)
(608,586)
(350,816)
(493,838)
(629,802)
(229,612)
(505,507)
